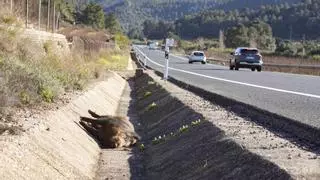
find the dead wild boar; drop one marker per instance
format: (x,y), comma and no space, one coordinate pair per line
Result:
(110,131)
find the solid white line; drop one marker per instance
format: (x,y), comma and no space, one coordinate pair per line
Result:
(236,82)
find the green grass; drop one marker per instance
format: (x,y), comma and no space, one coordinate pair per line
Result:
(181,130)
(141,147)
(151,106)
(147,94)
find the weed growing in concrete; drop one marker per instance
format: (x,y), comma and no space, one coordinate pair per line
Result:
(197,122)
(151,106)
(181,130)
(184,128)
(158,140)
(141,147)
(147,94)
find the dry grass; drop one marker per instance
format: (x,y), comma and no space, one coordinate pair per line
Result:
(270,59)
(33,72)
(114,60)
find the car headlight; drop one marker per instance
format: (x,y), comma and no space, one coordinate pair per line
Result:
(261,62)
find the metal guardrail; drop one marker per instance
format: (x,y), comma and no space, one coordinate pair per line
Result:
(142,59)
(274,65)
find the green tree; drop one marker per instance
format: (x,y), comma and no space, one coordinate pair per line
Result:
(286,48)
(257,34)
(93,15)
(237,36)
(135,33)
(112,24)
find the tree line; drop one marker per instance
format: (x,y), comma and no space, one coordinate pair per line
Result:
(50,13)
(132,13)
(288,21)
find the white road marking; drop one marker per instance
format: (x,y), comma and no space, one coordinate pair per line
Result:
(236,82)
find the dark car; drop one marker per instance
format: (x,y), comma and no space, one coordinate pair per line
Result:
(246,58)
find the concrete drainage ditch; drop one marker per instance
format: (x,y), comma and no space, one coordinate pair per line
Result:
(183,137)
(54,146)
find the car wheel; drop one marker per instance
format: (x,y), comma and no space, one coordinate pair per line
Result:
(203,62)
(259,69)
(231,67)
(190,62)
(253,69)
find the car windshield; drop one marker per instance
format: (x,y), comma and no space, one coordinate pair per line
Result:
(198,54)
(249,51)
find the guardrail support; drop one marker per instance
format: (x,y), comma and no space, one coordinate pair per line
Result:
(145,61)
(166,69)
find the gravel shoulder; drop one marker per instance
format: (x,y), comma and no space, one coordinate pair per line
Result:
(225,146)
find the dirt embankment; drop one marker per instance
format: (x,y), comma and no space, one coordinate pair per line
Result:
(53,145)
(179,146)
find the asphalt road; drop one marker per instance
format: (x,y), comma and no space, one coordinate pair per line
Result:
(294,96)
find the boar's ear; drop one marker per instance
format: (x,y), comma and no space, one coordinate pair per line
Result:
(93,114)
(92,121)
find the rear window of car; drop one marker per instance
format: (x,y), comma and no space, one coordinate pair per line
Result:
(249,51)
(198,54)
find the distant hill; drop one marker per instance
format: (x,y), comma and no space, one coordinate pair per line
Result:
(288,21)
(132,13)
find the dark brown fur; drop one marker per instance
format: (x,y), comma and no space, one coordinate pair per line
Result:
(111,131)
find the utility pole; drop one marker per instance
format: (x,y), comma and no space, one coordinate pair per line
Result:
(48,18)
(290,33)
(27,13)
(39,21)
(221,39)
(57,21)
(11,6)
(303,45)
(54,17)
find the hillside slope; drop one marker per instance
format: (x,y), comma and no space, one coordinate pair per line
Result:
(288,21)
(132,13)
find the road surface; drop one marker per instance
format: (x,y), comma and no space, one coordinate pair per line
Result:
(293,96)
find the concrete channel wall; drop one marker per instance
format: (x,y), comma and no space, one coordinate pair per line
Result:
(56,147)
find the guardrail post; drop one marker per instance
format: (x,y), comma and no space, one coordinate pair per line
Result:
(145,61)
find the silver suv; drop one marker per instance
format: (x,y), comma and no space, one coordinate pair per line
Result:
(246,58)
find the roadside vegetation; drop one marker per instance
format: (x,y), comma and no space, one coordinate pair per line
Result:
(32,73)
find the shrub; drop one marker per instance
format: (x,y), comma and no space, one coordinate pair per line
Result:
(47,94)
(122,41)
(24,97)
(286,48)
(316,57)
